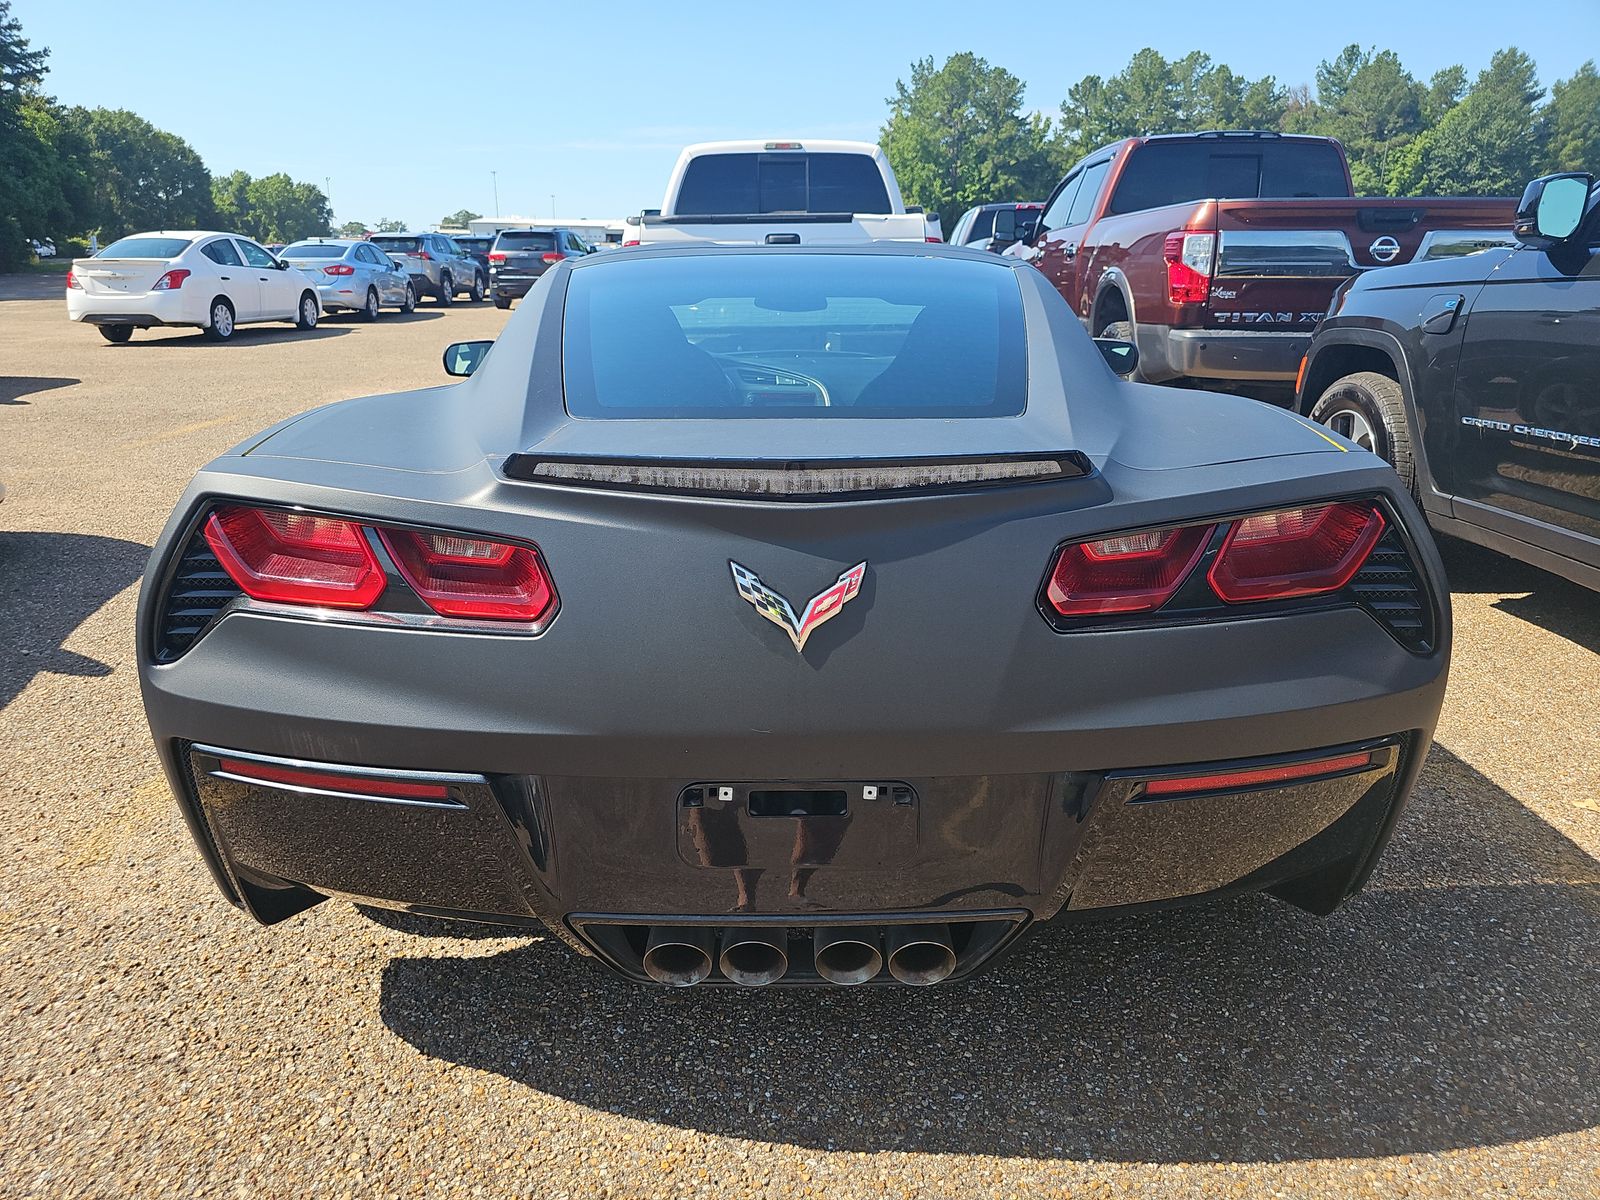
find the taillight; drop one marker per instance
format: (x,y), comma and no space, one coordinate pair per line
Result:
(1295,552)
(424,255)
(1254,777)
(626,244)
(339,269)
(472,577)
(171,281)
(1131,573)
(302,779)
(1189,260)
(553,256)
(496,256)
(935,240)
(72,281)
(296,558)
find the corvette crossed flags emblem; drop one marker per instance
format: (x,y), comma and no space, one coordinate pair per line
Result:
(822,607)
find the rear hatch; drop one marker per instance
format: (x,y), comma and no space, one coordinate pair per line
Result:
(525,252)
(1279,261)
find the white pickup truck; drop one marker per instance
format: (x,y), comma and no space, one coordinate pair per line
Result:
(781,194)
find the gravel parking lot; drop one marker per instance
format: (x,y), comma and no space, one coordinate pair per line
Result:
(1437,1036)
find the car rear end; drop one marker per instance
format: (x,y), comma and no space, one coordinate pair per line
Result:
(413,255)
(861,712)
(141,281)
(331,268)
(519,257)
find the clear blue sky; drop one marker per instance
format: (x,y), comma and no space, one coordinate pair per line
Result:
(601,97)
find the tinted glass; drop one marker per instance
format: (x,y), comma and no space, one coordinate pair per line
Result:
(396,245)
(526,240)
(1056,215)
(1162,173)
(312,250)
(823,336)
(146,247)
(782,182)
(474,245)
(982,226)
(222,253)
(1088,192)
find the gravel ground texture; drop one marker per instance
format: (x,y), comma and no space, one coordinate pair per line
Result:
(1435,1037)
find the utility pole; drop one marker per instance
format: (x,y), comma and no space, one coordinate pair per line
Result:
(552,206)
(495,179)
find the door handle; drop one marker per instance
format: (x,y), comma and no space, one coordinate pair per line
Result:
(1070,250)
(225,278)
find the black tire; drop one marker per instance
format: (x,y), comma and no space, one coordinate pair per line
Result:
(307,314)
(1370,410)
(477,287)
(115,334)
(372,308)
(409,304)
(447,290)
(221,326)
(502,301)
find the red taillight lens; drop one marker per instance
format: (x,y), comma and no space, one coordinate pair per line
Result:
(472,577)
(634,242)
(296,558)
(1131,573)
(72,281)
(1295,551)
(934,240)
(1189,260)
(171,281)
(423,254)
(496,256)
(339,269)
(553,256)
(1253,777)
(326,781)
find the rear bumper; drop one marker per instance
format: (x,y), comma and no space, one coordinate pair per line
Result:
(186,306)
(1235,354)
(342,294)
(511,287)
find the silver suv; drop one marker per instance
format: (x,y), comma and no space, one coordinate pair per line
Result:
(438,267)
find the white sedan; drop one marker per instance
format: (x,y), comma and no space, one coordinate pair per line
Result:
(215,281)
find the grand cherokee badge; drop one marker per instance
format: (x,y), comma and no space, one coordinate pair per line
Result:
(823,606)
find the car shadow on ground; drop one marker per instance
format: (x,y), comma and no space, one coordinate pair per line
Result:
(1564,608)
(14,387)
(389,315)
(1453,1004)
(245,335)
(50,583)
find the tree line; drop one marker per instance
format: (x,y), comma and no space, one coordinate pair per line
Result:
(957,133)
(67,172)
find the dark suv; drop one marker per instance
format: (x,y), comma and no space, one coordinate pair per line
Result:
(1478,378)
(520,256)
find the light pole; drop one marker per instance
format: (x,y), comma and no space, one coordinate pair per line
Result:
(494,178)
(552,206)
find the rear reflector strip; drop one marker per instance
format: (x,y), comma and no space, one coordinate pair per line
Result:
(1254,777)
(301,779)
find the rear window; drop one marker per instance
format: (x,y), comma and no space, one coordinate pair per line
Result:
(781,182)
(312,250)
(396,245)
(823,336)
(1162,173)
(527,240)
(473,243)
(146,247)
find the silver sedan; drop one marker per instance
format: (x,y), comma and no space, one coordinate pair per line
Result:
(353,275)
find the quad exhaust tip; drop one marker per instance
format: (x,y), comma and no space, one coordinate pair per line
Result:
(754,957)
(921,955)
(848,956)
(678,957)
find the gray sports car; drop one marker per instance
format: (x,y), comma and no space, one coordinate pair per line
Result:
(792,615)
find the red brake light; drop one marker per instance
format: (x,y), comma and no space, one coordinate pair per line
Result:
(496,256)
(295,558)
(1295,551)
(634,242)
(423,254)
(1190,257)
(340,269)
(326,781)
(171,281)
(553,256)
(471,577)
(1130,573)
(1251,777)
(72,280)
(933,239)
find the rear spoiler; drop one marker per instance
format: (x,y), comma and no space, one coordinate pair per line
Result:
(797,479)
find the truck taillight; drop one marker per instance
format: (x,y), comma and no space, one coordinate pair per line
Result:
(1190,257)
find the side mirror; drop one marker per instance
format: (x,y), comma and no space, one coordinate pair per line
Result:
(1122,357)
(280,264)
(1005,225)
(463,358)
(1551,209)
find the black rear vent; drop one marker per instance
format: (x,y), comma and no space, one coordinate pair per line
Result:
(197,592)
(1389,588)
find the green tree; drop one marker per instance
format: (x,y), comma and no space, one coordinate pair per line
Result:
(389,225)
(353,229)
(956,137)
(282,210)
(1445,90)
(1574,123)
(1489,144)
(21,67)
(143,177)
(459,218)
(1373,105)
(230,196)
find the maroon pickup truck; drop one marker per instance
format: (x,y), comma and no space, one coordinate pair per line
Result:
(1168,242)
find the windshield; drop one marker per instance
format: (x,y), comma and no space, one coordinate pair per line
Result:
(777,335)
(313,250)
(146,247)
(782,182)
(1162,173)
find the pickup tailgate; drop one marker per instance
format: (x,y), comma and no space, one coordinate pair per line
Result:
(1279,261)
(798,229)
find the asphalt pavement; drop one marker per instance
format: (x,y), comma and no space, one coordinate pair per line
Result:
(1438,1036)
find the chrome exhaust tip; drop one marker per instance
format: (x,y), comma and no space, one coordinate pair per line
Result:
(848,956)
(754,957)
(920,955)
(678,956)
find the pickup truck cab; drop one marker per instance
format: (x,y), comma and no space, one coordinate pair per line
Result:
(1217,253)
(1478,379)
(780,193)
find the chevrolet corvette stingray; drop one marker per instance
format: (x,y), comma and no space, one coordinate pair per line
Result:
(792,615)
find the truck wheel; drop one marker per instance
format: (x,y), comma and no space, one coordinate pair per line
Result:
(1369,409)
